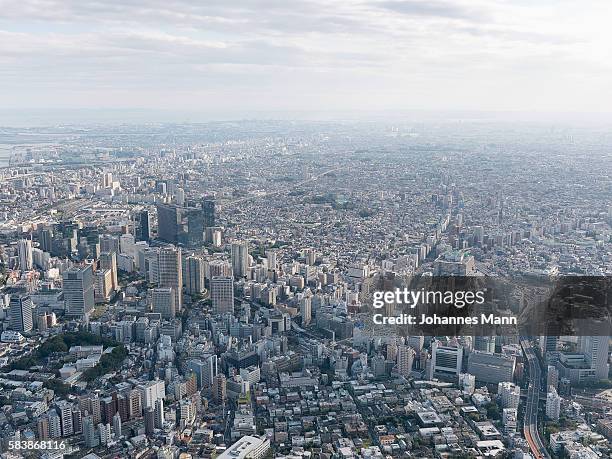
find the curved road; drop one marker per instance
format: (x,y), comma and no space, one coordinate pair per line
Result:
(530,428)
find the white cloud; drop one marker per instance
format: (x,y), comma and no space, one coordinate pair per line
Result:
(302,54)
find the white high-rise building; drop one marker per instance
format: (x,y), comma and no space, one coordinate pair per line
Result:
(240,259)
(222,294)
(159,414)
(78,288)
(445,360)
(65,412)
(405,359)
(151,392)
(306,309)
(553,404)
(24,249)
(171,273)
(20,313)
(509,394)
(163,301)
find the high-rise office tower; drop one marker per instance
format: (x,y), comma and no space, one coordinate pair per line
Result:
(240,259)
(164,302)
(306,310)
(78,288)
(405,359)
(180,197)
(208,208)
(445,360)
(108,260)
(24,249)
(109,244)
(171,273)
(46,239)
(103,286)
(195,270)
(20,313)
(168,221)
(491,368)
(596,351)
(219,391)
(222,294)
(144,226)
(149,421)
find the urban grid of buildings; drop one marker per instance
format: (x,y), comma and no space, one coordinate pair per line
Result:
(201,291)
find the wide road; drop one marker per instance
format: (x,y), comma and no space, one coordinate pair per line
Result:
(530,428)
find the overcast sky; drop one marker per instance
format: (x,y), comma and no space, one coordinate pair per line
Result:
(234,55)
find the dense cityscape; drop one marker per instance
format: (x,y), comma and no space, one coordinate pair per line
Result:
(204,290)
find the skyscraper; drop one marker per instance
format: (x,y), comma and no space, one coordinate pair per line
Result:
(208,208)
(195,272)
(108,260)
(24,249)
(222,294)
(168,220)
(149,421)
(144,226)
(171,273)
(78,287)
(596,351)
(240,259)
(163,301)
(21,313)
(109,244)
(405,359)
(159,414)
(445,360)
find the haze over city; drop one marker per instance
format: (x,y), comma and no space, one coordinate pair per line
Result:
(305,229)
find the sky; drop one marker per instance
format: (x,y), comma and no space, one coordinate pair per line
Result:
(222,56)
